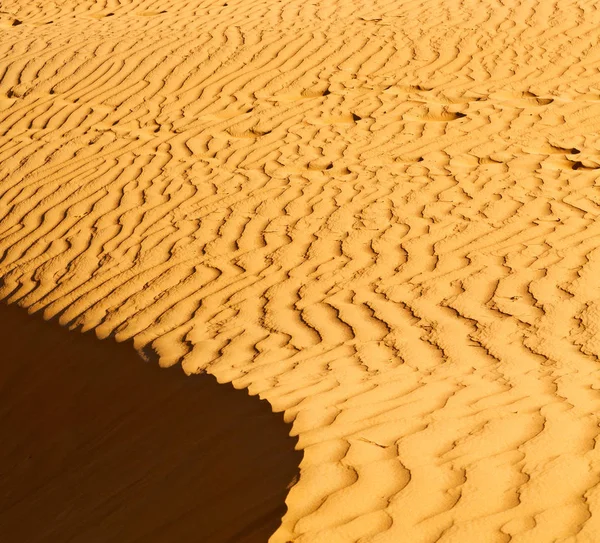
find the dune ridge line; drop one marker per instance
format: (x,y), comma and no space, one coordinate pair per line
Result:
(380,216)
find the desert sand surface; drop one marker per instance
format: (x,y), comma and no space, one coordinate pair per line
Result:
(98,449)
(380,216)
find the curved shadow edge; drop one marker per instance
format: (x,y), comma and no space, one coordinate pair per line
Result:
(100,447)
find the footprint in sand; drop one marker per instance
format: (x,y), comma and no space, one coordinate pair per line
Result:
(443,117)
(551,150)
(520,99)
(8,20)
(101,15)
(150,13)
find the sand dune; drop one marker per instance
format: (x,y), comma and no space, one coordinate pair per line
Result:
(98,448)
(379,216)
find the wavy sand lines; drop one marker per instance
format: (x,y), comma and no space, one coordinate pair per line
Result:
(380,217)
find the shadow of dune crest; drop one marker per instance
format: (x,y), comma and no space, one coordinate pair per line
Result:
(101,447)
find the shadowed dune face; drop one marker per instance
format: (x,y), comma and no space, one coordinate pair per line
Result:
(382,216)
(98,446)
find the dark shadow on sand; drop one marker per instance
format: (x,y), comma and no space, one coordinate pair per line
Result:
(97,446)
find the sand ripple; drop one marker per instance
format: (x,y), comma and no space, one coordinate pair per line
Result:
(380,216)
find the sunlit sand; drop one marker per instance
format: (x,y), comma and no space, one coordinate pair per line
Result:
(379,216)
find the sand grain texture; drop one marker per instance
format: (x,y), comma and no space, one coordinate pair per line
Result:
(380,216)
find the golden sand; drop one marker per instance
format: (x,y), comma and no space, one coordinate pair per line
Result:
(380,216)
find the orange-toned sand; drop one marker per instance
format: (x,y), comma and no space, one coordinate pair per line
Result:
(381,216)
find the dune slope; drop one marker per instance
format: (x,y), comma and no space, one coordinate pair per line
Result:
(100,447)
(380,216)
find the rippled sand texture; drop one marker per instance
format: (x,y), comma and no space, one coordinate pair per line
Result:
(381,216)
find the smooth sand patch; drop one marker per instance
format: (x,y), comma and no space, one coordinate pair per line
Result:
(98,446)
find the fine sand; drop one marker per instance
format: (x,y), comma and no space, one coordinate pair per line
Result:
(380,216)
(97,448)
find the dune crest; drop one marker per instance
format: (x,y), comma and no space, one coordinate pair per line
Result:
(382,217)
